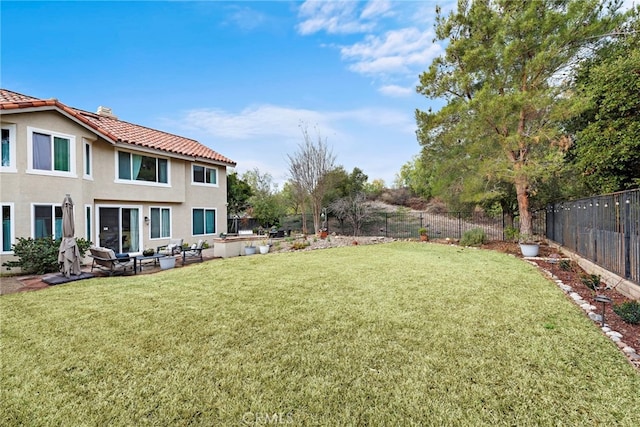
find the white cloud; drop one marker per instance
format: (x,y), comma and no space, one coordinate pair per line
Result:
(335,17)
(377,140)
(245,18)
(404,51)
(376,8)
(270,121)
(396,91)
(375,117)
(256,121)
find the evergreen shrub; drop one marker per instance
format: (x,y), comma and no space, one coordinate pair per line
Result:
(40,256)
(473,237)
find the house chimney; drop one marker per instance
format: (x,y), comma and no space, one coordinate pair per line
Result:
(106,112)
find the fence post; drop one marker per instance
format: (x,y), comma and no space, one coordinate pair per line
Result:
(550,220)
(386,224)
(627,238)
(576,221)
(459,225)
(594,228)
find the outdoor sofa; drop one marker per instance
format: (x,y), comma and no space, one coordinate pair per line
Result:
(106,260)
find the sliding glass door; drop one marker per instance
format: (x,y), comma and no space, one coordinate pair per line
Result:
(119,228)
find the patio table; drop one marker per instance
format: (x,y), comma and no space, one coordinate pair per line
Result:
(140,258)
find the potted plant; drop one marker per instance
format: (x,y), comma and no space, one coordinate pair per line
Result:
(422,231)
(148,252)
(529,245)
(249,249)
(264,247)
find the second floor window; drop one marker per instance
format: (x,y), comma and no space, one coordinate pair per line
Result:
(136,167)
(51,152)
(205,175)
(8,148)
(87,159)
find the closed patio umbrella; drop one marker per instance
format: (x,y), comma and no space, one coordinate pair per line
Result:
(69,254)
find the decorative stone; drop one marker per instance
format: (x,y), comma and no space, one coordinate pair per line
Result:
(606,329)
(620,344)
(629,350)
(566,288)
(587,307)
(576,296)
(614,334)
(614,338)
(595,317)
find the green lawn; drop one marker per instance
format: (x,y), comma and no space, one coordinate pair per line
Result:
(394,334)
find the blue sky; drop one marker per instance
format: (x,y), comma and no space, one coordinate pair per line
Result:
(240,77)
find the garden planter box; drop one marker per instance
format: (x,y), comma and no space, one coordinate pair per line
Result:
(529,249)
(167,262)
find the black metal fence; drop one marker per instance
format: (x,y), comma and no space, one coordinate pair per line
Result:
(405,224)
(604,229)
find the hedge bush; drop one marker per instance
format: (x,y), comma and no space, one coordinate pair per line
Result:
(40,256)
(473,237)
(629,311)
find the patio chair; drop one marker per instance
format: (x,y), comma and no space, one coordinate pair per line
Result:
(106,260)
(194,252)
(172,248)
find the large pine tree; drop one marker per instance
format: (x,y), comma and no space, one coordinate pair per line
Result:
(503,76)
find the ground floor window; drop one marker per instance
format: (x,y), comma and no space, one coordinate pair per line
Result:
(160,223)
(204,221)
(88,222)
(7,228)
(47,221)
(119,228)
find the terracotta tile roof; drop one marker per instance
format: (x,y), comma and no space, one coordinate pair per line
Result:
(118,131)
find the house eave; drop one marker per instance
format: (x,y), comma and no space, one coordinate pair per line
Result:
(53,105)
(87,125)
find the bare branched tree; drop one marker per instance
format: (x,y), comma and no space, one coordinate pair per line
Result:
(353,209)
(308,168)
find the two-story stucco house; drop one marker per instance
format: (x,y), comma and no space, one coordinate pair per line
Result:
(132,187)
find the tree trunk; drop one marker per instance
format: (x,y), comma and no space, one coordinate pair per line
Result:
(316,216)
(521,179)
(304,218)
(526,225)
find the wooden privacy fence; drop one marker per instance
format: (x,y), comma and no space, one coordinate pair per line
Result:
(604,229)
